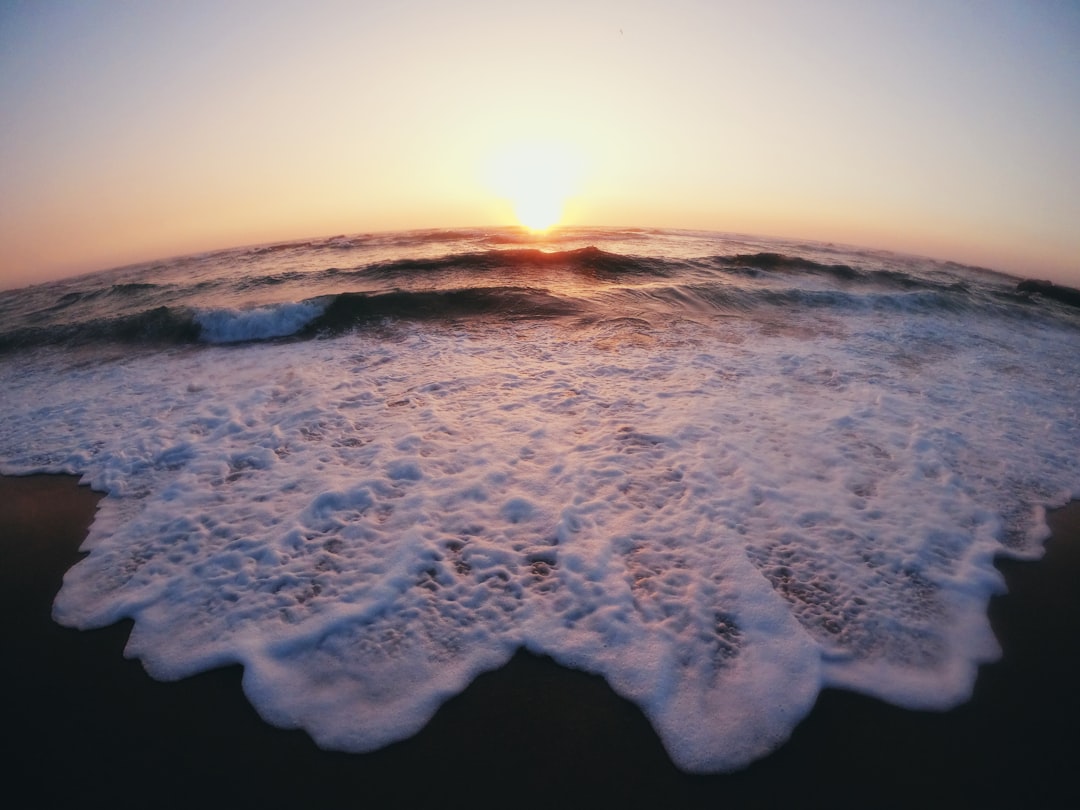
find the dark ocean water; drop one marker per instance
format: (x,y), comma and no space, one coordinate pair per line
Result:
(310,289)
(723,472)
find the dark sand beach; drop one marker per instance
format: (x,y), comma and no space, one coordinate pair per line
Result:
(84,725)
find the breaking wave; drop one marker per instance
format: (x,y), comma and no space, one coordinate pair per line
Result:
(508,283)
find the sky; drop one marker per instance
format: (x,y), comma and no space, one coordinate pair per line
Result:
(139,130)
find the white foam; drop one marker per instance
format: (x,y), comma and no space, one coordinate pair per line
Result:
(256,323)
(719,518)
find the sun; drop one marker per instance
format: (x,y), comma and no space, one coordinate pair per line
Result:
(537,178)
(538,212)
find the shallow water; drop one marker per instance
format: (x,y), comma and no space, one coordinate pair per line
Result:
(722,472)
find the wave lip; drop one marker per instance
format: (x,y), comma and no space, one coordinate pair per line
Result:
(259,323)
(1047,289)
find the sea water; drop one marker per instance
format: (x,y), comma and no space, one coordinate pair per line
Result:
(722,472)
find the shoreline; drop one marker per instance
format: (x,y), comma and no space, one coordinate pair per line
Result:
(85,723)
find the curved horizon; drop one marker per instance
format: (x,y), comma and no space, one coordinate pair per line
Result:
(133,133)
(535,238)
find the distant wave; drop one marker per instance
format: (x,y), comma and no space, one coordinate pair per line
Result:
(755,263)
(160,325)
(588,262)
(129,290)
(508,284)
(1055,292)
(758,265)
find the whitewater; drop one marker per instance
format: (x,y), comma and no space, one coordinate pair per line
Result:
(722,472)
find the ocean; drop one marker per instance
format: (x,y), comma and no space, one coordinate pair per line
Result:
(723,472)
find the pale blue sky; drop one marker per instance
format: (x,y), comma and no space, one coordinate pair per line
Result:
(139,130)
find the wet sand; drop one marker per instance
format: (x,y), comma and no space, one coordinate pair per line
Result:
(82,724)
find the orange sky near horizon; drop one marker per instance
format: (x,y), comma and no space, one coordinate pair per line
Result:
(138,131)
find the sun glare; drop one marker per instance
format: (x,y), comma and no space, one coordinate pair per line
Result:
(537,179)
